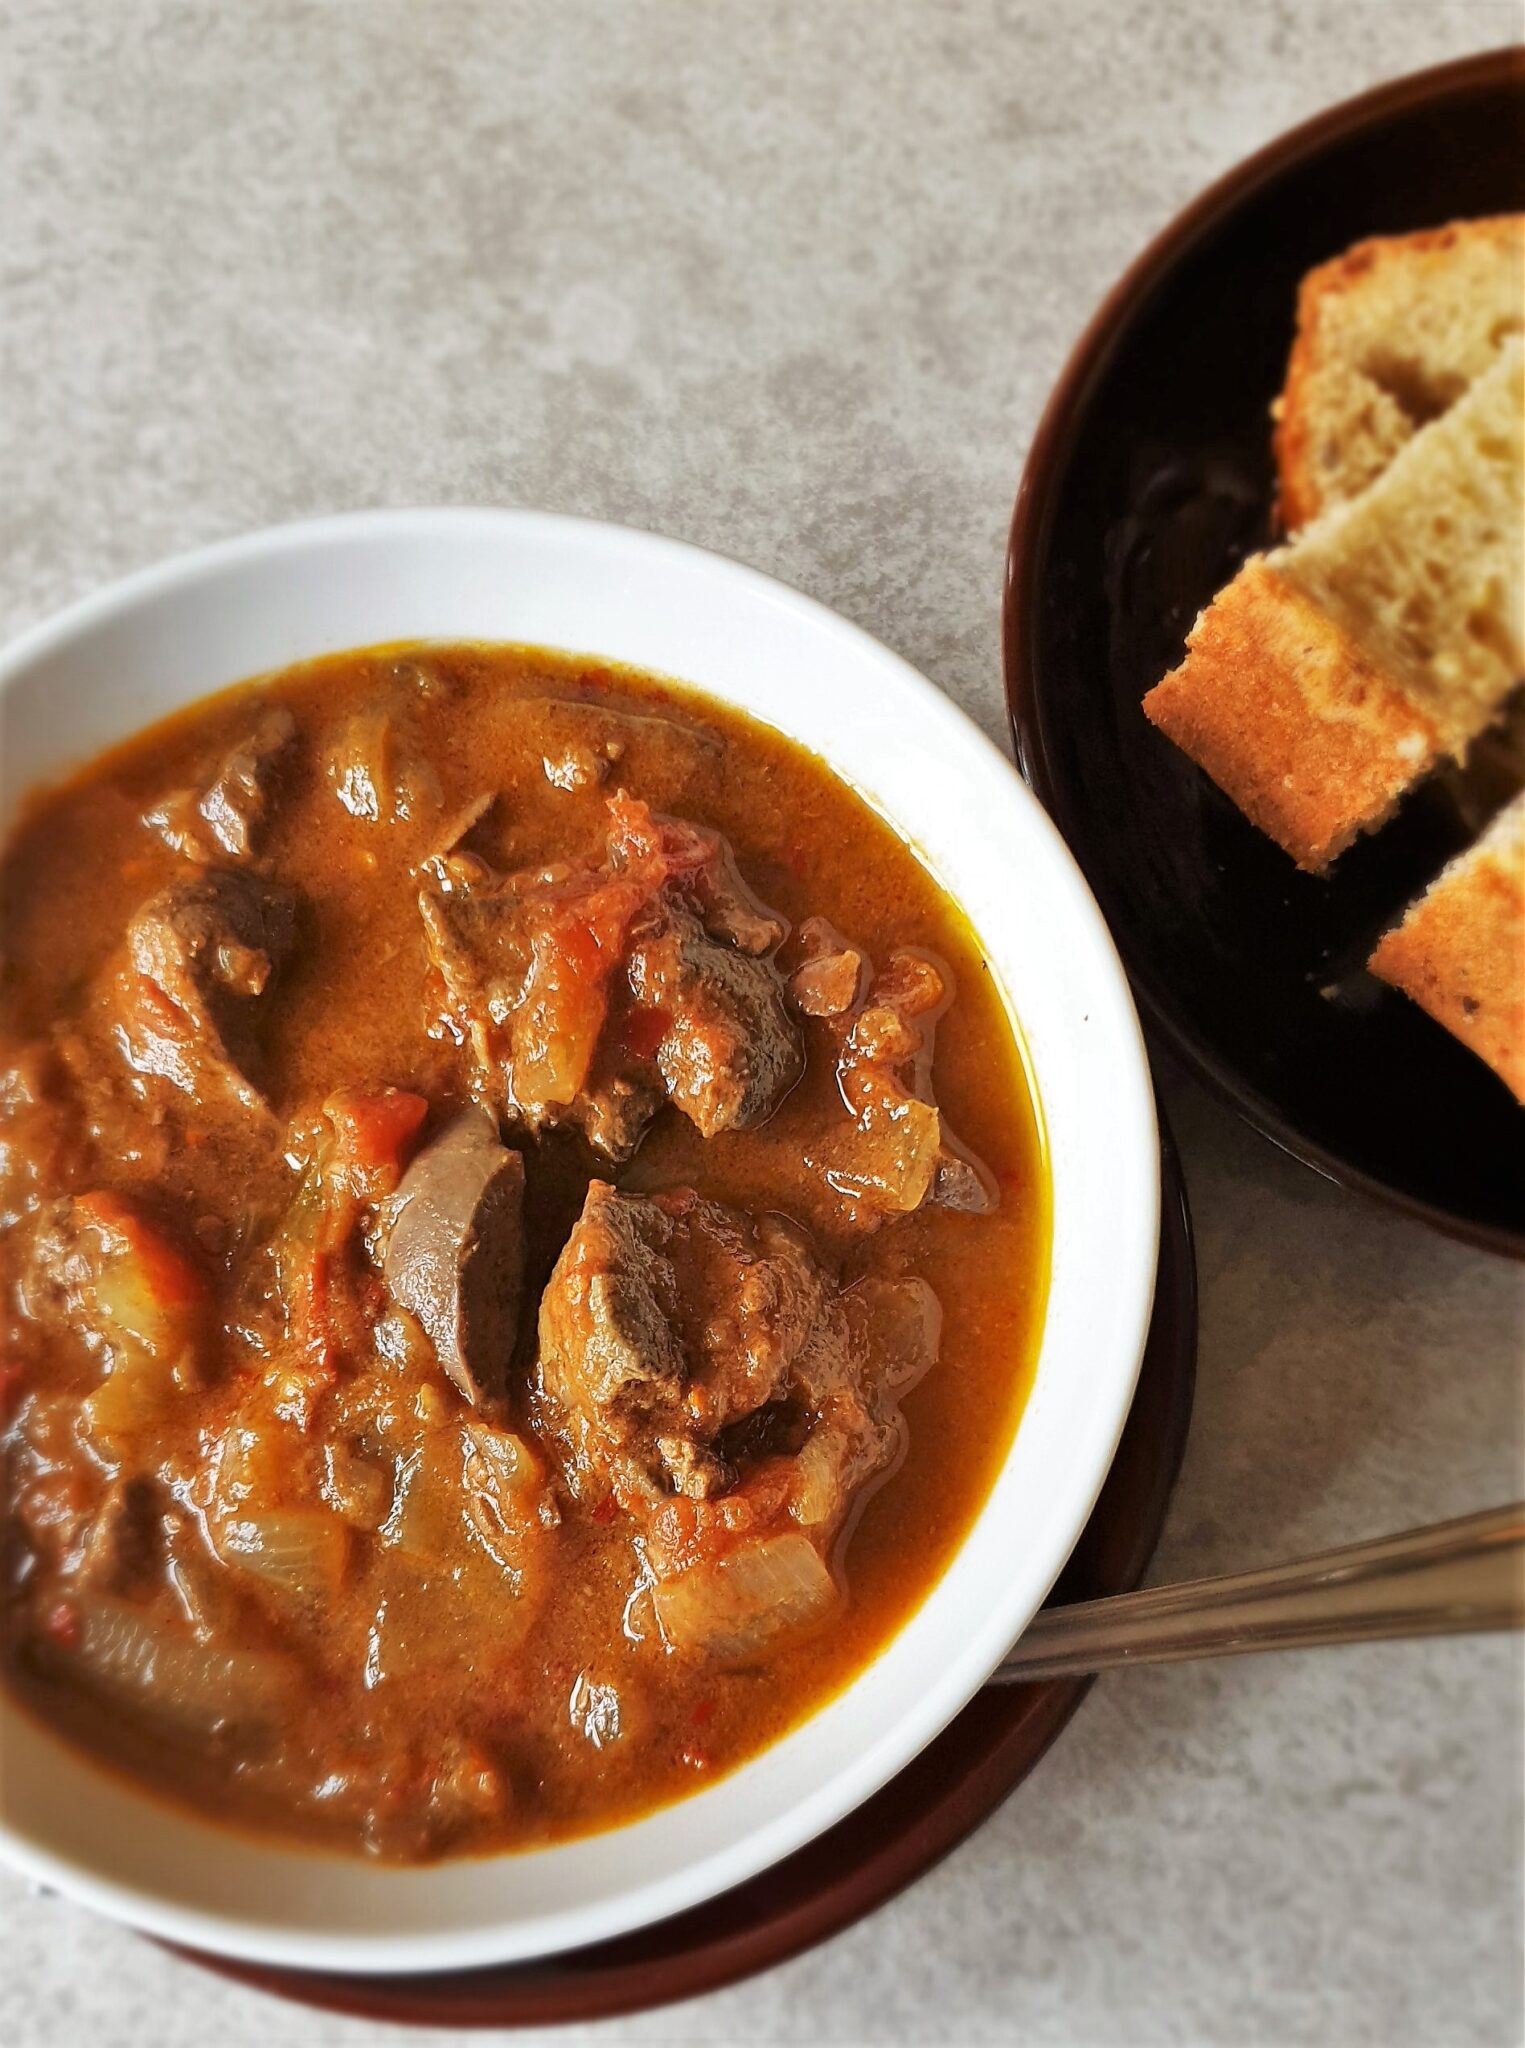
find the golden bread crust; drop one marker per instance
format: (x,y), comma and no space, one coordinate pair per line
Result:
(1404,266)
(1287,714)
(1460,950)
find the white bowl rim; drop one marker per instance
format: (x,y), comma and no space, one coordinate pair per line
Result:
(1132,1275)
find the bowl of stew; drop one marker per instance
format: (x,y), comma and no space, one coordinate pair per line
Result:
(578,1215)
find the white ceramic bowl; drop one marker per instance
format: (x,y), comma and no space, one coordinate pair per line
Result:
(160,639)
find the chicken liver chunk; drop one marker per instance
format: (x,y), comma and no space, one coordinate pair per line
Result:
(728,1052)
(690,1350)
(731,1573)
(730,911)
(586,995)
(472,941)
(211,947)
(704,1370)
(667,1319)
(227,817)
(455,1254)
(872,1344)
(613,1110)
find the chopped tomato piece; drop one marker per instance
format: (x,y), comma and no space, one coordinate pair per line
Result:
(683,1533)
(574,955)
(145,1288)
(674,1525)
(172,1278)
(326,1313)
(329,1296)
(579,932)
(660,849)
(373,1133)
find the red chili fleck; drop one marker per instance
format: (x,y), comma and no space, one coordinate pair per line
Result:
(704,1710)
(61,1625)
(606,1510)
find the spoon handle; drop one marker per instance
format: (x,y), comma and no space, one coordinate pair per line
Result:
(1451,1578)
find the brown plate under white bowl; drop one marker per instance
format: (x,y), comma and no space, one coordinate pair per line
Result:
(954,1784)
(1148,482)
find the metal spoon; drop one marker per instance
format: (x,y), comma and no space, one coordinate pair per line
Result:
(1451,1578)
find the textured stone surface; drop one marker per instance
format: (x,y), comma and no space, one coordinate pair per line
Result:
(792,281)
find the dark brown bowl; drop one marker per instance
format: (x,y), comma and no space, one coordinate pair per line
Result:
(1148,482)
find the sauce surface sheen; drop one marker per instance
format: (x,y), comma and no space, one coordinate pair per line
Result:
(558,1722)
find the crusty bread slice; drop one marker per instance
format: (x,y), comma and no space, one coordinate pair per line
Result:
(1389,336)
(1290,716)
(1334,671)
(1460,951)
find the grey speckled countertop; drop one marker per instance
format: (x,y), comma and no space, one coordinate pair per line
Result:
(792,281)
